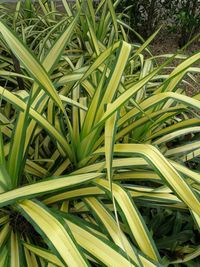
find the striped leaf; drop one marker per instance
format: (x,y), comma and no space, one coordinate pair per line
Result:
(57,235)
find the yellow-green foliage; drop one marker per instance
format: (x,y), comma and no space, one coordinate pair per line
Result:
(89,174)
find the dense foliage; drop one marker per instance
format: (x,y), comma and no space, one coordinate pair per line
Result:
(179,16)
(95,141)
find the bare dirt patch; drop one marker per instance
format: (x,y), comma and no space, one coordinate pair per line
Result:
(167,43)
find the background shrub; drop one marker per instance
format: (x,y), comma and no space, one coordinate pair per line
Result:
(179,16)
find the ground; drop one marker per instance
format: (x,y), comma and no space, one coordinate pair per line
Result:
(168,43)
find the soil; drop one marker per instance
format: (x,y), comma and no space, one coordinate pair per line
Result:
(167,43)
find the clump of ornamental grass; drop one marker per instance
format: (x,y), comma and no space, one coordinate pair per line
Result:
(94,144)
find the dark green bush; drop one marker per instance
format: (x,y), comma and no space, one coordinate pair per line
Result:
(180,16)
(187,19)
